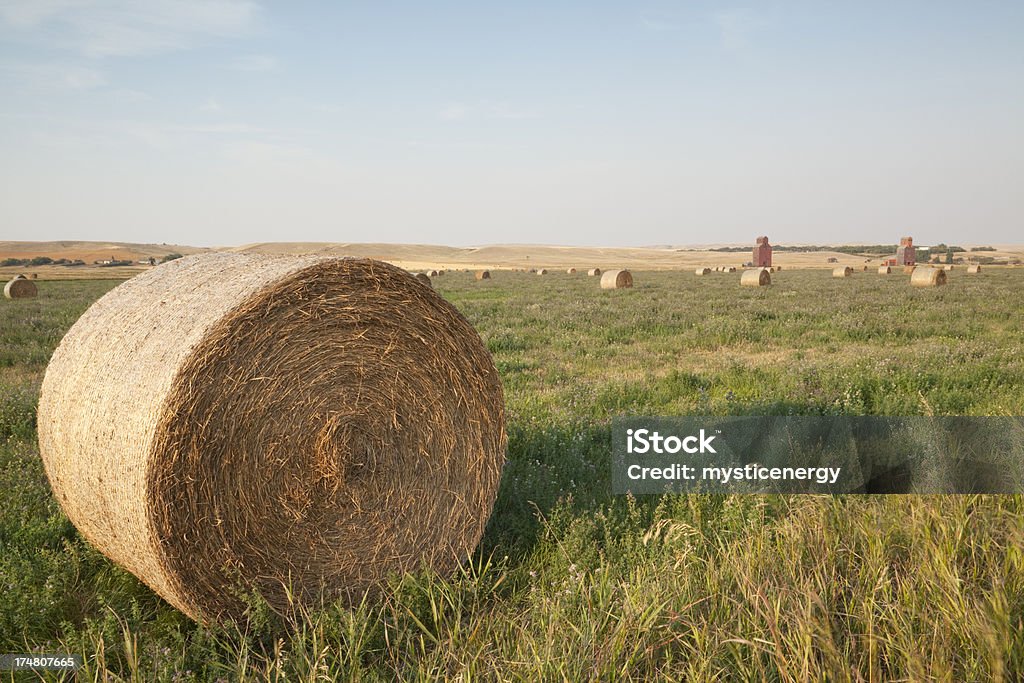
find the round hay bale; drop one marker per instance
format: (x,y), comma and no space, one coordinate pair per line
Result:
(571,271)
(844,271)
(440,272)
(730,269)
(703,271)
(483,275)
(594,272)
(928,277)
(542,271)
(423,277)
(907,270)
(759,277)
(865,269)
(616,279)
(884,270)
(35,276)
(432,273)
(299,426)
(973,270)
(778,267)
(20,288)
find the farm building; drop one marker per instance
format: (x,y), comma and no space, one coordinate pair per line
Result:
(762,253)
(905,253)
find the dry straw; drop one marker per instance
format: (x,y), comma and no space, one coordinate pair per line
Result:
(616,279)
(20,288)
(759,277)
(973,270)
(928,277)
(845,271)
(483,275)
(884,270)
(295,425)
(703,271)
(594,271)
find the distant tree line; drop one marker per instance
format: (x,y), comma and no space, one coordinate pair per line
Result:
(41,261)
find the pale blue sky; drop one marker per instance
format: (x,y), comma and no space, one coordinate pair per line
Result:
(231,121)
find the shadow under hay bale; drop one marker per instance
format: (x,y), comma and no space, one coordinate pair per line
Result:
(759,277)
(20,288)
(928,277)
(616,279)
(299,426)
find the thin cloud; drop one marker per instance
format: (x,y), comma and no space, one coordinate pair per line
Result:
(255,63)
(54,76)
(110,28)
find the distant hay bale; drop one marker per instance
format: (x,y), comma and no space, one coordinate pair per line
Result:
(432,273)
(907,270)
(35,276)
(973,270)
(594,271)
(542,271)
(616,279)
(703,271)
(884,270)
(928,277)
(483,275)
(759,277)
(298,427)
(865,269)
(778,267)
(20,288)
(730,269)
(440,272)
(571,271)
(844,271)
(423,277)
(533,270)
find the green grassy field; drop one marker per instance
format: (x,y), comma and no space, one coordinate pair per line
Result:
(572,583)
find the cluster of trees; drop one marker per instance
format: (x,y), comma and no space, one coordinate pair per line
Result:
(41,261)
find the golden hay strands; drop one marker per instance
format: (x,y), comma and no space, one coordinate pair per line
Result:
(843,271)
(758,277)
(594,272)
(294,422)
(20,288)
(928,277)
(616,279)
(483,275)
(884,270)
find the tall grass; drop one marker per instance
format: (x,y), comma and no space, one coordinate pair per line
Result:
(571,583)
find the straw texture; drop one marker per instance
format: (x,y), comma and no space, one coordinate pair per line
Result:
(20,288)
(274,421)
(928,277)
(755,278)
(616,279)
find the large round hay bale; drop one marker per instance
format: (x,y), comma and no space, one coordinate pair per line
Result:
(542,271)
(483,275)
(703,271)
(571,271)
(928,277)
(759,277)
(594,272)
(298,426)
(973,270)
(884,270)
(432,273)
(616,279)
(20,288)
(843,271)
(730,269)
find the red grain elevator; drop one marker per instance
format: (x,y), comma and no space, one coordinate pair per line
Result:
(906,255)
(762,253)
